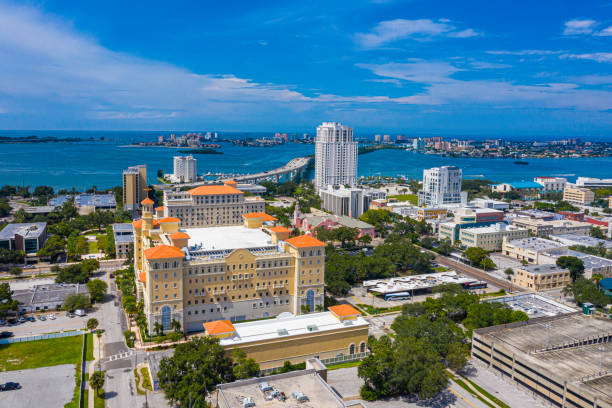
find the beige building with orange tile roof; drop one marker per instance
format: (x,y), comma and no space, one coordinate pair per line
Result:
(210,205)
(235,272)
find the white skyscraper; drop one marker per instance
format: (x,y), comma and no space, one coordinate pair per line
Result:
(335,155)
(185,169)
(441,186)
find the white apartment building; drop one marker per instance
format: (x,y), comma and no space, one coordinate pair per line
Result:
(593,182)
(335,155)
(441,186)
(551,184)
(185,169)
(351,202)
(491,238)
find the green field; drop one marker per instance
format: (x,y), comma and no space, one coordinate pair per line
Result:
(41,353)
(412,198)
(346,364)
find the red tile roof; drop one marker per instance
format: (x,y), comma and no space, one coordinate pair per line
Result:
(219,327)
(279,228)
(142,276)
(305,241)
(168,219)
(160,208)
(230,182)
(147,201)
(262,215)
(344,310)
(137,224)
(213,190)
(163,252)
(179,235)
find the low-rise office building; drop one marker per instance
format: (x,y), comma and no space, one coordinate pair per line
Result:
(578,195)
(28,237)
(527,190)
(528,249)
(491,238)
(592,264)
(340,333)
(310,222)
(583,240)
(551,184)
(47,297)
(430,213)
(124,240)
(593,182)
(488,203)
(545,229)
(572,215)
(238,272)
(556,358)
(541,277)
(349,201)
(87,203)
(468,218)
(210,205)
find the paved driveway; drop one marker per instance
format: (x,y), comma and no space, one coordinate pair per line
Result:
(47,386)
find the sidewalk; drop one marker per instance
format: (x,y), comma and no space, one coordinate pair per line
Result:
(98,349)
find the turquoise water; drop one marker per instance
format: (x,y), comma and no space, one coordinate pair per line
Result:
(100,163)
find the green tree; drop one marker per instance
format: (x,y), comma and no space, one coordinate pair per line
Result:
(596,232)
(96,381)
(158,328)
(365,240)
(175,325)
(54,247)
(244,367)
(575,266)
(585,290)
(7,303)
(8,256)
(509,272)
(475,255)
(16,271)
(97,289)
(195,368)
(92,324)
(487,264)
(76,301)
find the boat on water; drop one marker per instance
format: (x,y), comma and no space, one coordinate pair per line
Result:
(520,162)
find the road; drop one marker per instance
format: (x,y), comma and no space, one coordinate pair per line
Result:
(476,273)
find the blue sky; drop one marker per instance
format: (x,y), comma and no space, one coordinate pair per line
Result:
(412,67)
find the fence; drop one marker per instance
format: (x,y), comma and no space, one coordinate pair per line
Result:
(42,337)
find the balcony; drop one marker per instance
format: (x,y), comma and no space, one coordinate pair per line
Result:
(278,285)
(218,292)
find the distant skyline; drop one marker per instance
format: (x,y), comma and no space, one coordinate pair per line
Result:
(431,67)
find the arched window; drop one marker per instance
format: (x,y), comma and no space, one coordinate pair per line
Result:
(362,347)
(166,317)
(352,349)
(310,301)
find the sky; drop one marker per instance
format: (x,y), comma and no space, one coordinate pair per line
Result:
(411,67)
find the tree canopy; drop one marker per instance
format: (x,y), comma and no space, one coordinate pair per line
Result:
(575,266)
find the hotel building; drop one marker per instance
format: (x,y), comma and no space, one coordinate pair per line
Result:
(134,185)
(210,205)
(233,272)
(185,169)
(578,195)
(441,186)
(335,155)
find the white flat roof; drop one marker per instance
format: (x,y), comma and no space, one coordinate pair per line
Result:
(226,238)
(294,325)
(415,282)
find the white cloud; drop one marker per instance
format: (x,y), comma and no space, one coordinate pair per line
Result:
(606,32)
(595,56)
(593,79)
(400,29)
(524,52)
(421,71)
(574,27)
(488,65)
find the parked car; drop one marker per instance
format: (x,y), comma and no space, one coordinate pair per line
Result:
(12,322)
(2,322)
(9,386)
(79,312)
(42,318)
(22,319)
(29,267)
(70,314)
(6,334)
(31,319)
(52,316)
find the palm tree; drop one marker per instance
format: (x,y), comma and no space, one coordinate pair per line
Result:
(99,336)
(158,328)
(175,325)
(96,381)
(92,324)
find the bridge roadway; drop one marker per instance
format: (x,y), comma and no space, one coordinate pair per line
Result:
(293,167)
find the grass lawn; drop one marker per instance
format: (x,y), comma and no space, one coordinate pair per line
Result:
(412,198)
(372,310)
(346,364)
(146,380)
(99,401)
(89,356)
(440,269)
(40,353)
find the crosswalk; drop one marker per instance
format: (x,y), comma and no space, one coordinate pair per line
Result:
(119,356)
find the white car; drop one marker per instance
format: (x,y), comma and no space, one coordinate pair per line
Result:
(52,317)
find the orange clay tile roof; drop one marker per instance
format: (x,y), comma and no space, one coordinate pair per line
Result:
(230,183)
(219,327)
(160,208)
(279,228)
(147,201)
(304,241)
(137,224)
(179,235)
(262,215)
(214,190)
(142,276)
(163,252)
(168,219)
(344,310)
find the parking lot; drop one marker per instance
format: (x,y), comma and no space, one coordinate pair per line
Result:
(61,323)
(503,262)
(47,386)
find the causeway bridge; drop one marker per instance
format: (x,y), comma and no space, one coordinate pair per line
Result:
(295,167)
